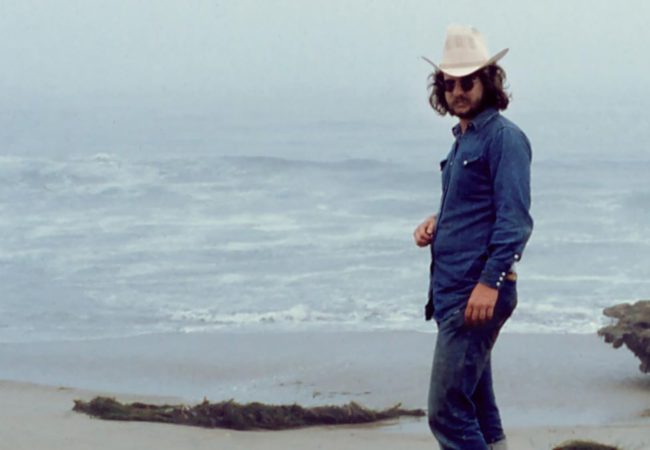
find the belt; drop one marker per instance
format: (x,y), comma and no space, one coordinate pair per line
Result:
(512,276)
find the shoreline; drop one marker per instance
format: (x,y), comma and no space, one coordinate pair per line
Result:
(547,386)
(37,416)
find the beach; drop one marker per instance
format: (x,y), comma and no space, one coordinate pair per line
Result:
(550,388)
(216,200)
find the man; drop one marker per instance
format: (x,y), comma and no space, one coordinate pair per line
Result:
(478,234)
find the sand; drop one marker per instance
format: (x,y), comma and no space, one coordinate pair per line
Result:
(550,388)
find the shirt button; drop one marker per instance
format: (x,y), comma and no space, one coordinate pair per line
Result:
(465,163)
(503,274)
(498,283)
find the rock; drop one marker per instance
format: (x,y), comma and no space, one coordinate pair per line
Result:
(632,329)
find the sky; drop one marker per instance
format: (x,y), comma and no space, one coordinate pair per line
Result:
(235,61)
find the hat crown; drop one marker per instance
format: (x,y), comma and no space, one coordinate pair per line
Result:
(464,46)
(465,52)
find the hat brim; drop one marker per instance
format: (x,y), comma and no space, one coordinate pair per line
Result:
(466,69)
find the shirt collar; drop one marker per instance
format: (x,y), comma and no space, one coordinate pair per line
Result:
(478,122)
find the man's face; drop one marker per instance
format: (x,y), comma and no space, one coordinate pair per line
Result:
(464,95)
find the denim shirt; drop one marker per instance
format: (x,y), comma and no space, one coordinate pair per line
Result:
(484,221)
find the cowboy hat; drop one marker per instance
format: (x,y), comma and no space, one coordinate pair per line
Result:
(465,52)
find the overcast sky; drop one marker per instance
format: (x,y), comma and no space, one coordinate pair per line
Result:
(264,47)
(236,57)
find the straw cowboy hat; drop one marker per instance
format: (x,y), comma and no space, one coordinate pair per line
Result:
(465,52)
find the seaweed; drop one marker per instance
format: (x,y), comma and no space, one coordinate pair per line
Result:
(584,445)
(233,415)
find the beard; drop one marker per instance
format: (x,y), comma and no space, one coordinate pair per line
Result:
(474,110)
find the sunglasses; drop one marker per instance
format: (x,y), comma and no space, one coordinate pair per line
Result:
(466,83)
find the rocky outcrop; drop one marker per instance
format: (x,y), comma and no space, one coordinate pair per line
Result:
(632,329)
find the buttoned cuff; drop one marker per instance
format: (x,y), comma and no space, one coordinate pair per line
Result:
(493,279)
(494,276)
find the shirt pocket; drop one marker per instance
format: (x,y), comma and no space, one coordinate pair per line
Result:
(470,160)
(473,178)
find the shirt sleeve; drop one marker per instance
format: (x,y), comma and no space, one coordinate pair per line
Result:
(509,161)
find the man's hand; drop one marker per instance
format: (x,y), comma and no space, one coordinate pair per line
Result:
(480,307)
(423,234)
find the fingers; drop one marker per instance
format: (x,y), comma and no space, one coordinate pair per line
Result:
(478,314)
(489,313)
(481,315)
(481,304)
(472,315)
(423,241)
(469,311)
(421,236)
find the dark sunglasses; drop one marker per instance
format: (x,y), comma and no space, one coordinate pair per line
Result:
(466,83)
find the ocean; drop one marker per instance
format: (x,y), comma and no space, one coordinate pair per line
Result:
(302,228)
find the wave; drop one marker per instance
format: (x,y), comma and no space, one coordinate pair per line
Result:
(274,162)
(193,242)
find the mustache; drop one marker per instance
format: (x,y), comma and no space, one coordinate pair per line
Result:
(460,99)
(459,104)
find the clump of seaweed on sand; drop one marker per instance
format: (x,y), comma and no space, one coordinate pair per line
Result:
(233,415)
(584,445)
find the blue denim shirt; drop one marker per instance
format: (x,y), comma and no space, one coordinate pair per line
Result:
(484,221)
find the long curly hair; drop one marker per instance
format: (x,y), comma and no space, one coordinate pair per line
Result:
(493,78)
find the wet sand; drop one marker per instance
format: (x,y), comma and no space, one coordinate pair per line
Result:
(550,388)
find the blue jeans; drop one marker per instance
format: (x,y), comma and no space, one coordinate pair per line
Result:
(463,414)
